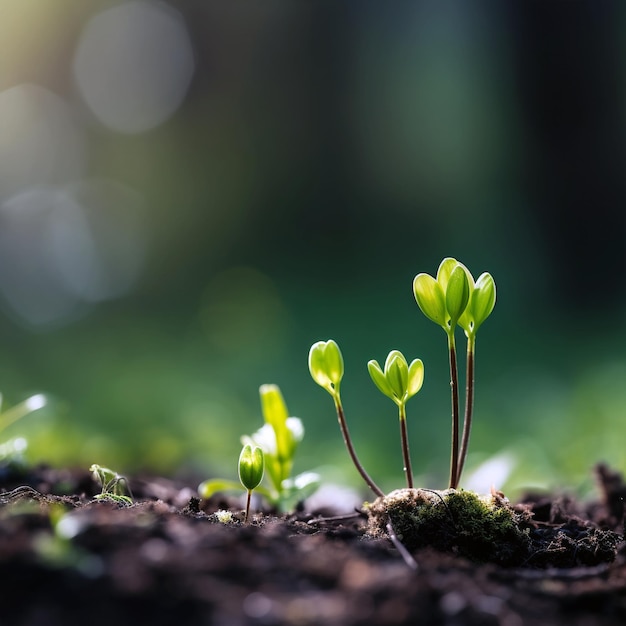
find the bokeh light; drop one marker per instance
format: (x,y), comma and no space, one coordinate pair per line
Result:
(133,65)
(62,248)
(41,142)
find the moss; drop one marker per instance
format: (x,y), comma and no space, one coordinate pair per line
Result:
(479,528)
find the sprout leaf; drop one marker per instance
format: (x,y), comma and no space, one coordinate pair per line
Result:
(430,298)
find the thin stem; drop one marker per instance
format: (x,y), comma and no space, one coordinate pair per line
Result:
(346,438)
(245,519)
(408,472)
(469,404)
(404,553)
(454,388)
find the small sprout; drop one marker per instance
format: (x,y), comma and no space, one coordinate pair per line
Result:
(444,300)
(251,468)
(326,365)
(114,486)
(399,382)
(278,439)
(326,368)
(452,299)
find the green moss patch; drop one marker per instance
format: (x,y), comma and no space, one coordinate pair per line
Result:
(479,528)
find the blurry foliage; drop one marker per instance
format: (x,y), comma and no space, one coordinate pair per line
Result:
(321,155)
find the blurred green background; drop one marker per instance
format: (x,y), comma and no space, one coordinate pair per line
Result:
(193,192)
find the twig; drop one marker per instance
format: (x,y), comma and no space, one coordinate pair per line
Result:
(336,518)
(404,553)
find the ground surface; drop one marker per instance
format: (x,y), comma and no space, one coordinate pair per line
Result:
(68,559)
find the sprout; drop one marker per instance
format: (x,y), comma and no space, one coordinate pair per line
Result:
(326,368)
(114,486)
(279,437)
(251,468)
(278,440)
(452,299)
(326,365)
(399,382)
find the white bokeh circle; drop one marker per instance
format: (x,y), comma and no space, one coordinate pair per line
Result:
(133,65)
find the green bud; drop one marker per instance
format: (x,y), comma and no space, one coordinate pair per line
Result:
(326,365)
(398,380)
(397,373)
(251,466)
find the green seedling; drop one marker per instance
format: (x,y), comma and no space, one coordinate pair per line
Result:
(399,381)
(278,438)
(326,368)
(114,486)
(454,298)
(251,468)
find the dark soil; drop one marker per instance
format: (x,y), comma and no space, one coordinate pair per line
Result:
(66,558)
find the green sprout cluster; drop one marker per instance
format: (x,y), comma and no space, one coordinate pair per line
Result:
(269,453)
(454,299)
(451,299)
(115,487)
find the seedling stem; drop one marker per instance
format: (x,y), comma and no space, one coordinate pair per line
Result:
(469,404)
(454,388)
(405,447)
(348,441)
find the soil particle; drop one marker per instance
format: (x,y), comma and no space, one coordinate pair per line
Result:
(66,559)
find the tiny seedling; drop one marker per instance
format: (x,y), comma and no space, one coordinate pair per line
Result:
(278,439)
(451,299)
(399,381)
(114,486)
(251,468)
(326,368)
